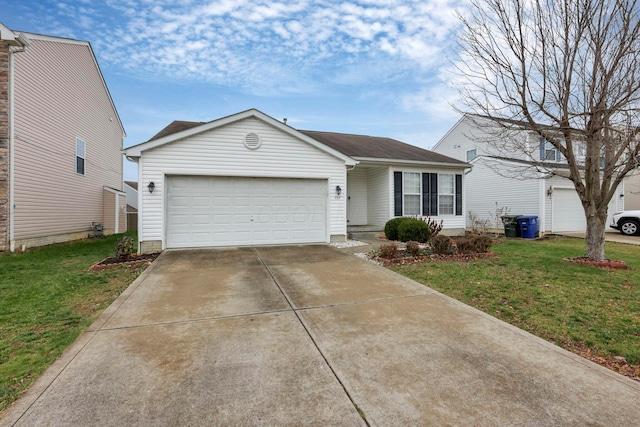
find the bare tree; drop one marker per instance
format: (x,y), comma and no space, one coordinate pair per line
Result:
(569,70)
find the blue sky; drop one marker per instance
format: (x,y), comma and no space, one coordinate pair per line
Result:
(376,67)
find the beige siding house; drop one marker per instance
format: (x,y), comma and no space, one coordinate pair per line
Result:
(63,139)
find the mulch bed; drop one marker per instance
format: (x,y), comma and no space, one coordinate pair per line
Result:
(609,263)
(402,260)
(132,260)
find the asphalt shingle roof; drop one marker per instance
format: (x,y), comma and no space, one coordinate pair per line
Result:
(377,147)
(358,146)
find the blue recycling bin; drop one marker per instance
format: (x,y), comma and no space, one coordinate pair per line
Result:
(528,226)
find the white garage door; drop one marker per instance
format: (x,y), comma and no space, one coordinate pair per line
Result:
(230,211)
(568,214)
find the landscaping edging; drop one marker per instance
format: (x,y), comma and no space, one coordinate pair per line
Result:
(609,263)
(132,260)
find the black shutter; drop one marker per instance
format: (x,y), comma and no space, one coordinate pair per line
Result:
(426,200)
(433,194)
(397,193)
(458,194)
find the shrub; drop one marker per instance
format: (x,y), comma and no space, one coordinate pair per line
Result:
(474,244)
(124,248)
(482,243)
(391,228)
(442,245)
(388,251)
(413,229)
(413,248)
(465,245)
(434,227)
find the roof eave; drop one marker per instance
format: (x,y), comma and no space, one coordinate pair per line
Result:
(136,150)
(412,162)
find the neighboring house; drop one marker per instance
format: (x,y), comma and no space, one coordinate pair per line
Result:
(60,143)
(131,188)
(249,179)
(504,180)
(632,191)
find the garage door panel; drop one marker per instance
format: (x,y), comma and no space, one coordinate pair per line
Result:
(568,214)
(224,211)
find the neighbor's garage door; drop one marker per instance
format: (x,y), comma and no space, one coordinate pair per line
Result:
(229,211)
(568,214)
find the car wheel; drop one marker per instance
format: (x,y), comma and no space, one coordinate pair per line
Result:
(629,227)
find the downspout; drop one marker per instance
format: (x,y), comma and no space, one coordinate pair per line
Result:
(12,50)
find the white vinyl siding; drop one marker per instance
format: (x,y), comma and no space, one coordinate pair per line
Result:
(487,191)
(60,95)
(221,152)
(412,190)
(357,196)
(378,193)
(449,221)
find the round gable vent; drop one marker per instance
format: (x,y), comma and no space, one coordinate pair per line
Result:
(252,141)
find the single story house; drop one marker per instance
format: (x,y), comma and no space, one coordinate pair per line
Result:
(249,179)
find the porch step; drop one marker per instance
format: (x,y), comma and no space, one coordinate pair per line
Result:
(363,235)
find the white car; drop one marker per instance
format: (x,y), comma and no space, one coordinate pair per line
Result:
(627,222)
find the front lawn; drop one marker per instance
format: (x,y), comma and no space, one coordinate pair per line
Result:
(591,311)
(48,296)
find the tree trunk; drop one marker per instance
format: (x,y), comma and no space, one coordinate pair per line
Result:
(596,224)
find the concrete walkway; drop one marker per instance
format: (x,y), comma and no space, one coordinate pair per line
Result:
(311,335)
(609,236)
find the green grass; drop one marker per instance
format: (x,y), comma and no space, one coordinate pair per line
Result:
(48,296)
(528,285)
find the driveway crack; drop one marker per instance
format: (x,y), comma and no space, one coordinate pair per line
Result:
(306,329)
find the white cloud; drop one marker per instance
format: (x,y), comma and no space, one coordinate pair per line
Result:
(273,46)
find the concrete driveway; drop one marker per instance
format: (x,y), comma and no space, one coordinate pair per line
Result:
(311,335)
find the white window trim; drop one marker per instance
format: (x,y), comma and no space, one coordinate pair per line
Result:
(452,194)
(405,193)
(84,143)
(475,154)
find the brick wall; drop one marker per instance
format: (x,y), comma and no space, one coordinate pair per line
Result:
(4,145)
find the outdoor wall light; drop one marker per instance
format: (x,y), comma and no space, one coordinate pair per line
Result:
(338,190)
(151,186)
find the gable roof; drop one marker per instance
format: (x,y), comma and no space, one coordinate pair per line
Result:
(27,37)
(358,147)
(181,129)
(174,127)
(363,147)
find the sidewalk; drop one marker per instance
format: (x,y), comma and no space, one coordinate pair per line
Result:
(609,236)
